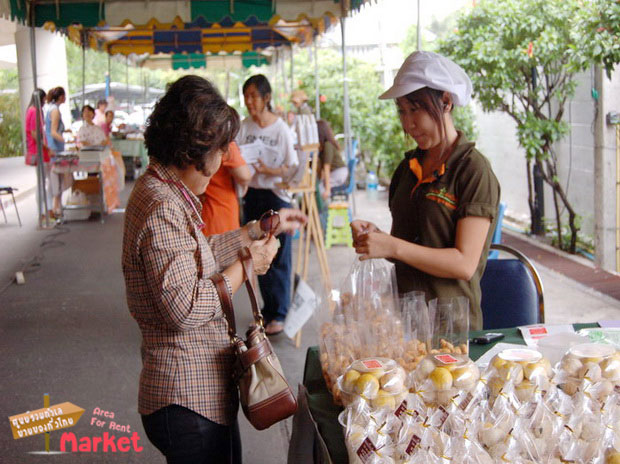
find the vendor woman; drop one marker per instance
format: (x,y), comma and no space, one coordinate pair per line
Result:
(443,195)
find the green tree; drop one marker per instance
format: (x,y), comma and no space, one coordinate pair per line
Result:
(10,126)
(522,56)
(374,122)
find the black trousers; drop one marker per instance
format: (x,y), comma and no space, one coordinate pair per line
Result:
(186,437)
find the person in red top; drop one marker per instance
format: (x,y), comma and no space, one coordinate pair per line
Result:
(220,207)
(31,130)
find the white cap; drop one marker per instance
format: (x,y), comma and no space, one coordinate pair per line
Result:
(428,69)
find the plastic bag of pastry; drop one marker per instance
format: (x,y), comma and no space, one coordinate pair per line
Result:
(451,325)
(412,437)
(469,450)
(543,424)
(418,328)
(370,286)
(364,439)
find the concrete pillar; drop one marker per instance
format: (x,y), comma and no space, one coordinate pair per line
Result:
(51,67)
(605,201)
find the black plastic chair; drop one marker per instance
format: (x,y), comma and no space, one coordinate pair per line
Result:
(5,190)
(512,291)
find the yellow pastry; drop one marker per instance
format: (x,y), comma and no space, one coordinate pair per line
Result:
(441,378)
(367,385)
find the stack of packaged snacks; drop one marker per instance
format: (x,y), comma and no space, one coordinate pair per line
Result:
(592,368)
(441,377)
(378,381)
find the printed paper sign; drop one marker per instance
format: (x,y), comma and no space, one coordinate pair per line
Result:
(532,333)
(304,303)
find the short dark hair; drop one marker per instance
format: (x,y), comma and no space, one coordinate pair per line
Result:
(87,107)
(102,102)
(54,94)
(262,85)
(108,112)
(189,124)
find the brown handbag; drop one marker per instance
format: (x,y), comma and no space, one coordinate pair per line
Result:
(265,395)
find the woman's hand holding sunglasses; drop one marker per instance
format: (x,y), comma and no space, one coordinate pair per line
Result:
(285,220)
(263,251)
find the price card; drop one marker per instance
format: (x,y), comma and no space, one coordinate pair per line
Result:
(533,333)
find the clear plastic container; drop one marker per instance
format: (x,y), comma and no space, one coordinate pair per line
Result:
(440,377)
(524,368)
(380,381)
(591,367)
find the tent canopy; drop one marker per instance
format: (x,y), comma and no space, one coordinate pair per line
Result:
(185,26)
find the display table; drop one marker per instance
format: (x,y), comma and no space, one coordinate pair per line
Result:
(325,413)
(102,180)
(134,155)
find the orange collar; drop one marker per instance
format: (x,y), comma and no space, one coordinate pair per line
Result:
(416,168)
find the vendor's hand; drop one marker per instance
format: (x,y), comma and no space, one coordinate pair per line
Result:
(326,194)
(263,252)
(375,245)
(290,220)
(261,168)
(360,227)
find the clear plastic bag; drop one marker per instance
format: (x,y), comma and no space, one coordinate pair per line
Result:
(451,325)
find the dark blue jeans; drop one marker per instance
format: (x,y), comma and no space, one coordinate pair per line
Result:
(275,286)
(186,437)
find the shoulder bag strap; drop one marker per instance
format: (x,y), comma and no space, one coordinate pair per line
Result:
(226,302)
(248,268)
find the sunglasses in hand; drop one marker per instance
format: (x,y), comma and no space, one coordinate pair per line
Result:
(269,222)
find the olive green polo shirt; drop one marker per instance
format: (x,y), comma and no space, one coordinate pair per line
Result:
(426,213)
(330,155)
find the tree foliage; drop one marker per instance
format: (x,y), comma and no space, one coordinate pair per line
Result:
(374,122)
(10,125)
(522,56)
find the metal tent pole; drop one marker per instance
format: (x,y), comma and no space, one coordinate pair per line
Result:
(83,67)
(347,117)
(292,71)
(419,30)
(42,206)
(317,101)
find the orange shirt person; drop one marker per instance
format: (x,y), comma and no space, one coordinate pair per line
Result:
(220,207)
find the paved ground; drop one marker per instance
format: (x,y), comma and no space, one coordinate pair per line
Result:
(67,331)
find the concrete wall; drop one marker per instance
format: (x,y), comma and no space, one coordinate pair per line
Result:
(590,142)
(607,204)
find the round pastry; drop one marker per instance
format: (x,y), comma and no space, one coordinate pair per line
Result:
(349,379)
(367,385)
(441,378)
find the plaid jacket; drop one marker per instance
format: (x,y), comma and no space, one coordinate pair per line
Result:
(186,352)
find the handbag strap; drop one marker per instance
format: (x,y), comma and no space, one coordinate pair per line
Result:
(226,302)
(248,268)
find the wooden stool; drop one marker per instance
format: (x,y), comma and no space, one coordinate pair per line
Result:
(338,230)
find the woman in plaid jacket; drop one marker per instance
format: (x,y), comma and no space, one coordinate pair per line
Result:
(187,398)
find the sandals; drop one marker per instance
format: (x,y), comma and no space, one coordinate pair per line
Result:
(274,328)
